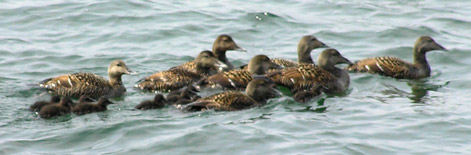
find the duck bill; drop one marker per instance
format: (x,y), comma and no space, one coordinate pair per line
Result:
(240,49)
(437,46)
(129,72)
(345,61)
(323,45)
(274,66)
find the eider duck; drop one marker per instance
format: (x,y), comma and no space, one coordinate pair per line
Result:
(238,79)
(94,86)
(36,107)
(257,93)
(397,68)
(177,78)
(158,102)
(53,110)
(222,44)
(305,46)
(89,107)
(307,76)
(85,99)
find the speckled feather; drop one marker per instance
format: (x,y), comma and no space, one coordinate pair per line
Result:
(388,66)
(77,84)
(284,62)
(227,101)
(191,66)
(234,79)
(168,80)
(296,77)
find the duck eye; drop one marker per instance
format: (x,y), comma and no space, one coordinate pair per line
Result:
(118,65)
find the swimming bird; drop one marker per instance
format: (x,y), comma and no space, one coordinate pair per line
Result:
(36,107)
(257,93)
(92,85)
(222,44)
(238,79)
(54,110)
(89,107)
(397,68)
(177,78)
(310,76)
(158,102)
(305,47)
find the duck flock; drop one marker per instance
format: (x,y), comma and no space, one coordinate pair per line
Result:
(243,87)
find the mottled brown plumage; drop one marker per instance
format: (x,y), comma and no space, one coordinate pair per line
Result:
(257,93)
(36,107)
(238,79)
(397,68)
(177,78)
(222,44)
(158,102)
(77,84)
(185,95)
(54,110)
(307,76)
(89,107)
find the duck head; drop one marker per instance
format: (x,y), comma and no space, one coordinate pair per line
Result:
(330,57)
(425,44)
(262,89)
(260,64)
(305,46)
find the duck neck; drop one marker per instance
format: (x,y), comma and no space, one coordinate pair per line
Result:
(220,54)
(337,72)
(115,80)
(304,55)
(420,61)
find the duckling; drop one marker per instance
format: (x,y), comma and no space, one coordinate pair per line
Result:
(89,107)
(85,99)
(333,79)
(257,93)
(185,95)
(222,44)
(54,110)
(177,78)
(158,102)
(36,107)
(397,68)
(305,46)
(77,84)
(238,79)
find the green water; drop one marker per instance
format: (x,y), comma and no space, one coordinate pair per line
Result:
(378,115)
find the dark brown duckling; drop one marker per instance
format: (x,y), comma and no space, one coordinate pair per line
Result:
(186,94)
(238,79)
(177,78)
(36,107)
(158,102)
(306,91)
(397,68)
(305,47)
(222,44)
(77,84)
(54,110)
(89,107)
(331,78)
(257,93)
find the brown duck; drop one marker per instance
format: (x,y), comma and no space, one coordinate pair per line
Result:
(238,79)
(310,76)
(257,93)
(222,44)
(397,68)
(36,107)
(158,102)
(183,96)
(177,78)
(94,86)
(54,110)
(90,107)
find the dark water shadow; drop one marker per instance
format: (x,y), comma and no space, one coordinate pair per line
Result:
(421,88)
